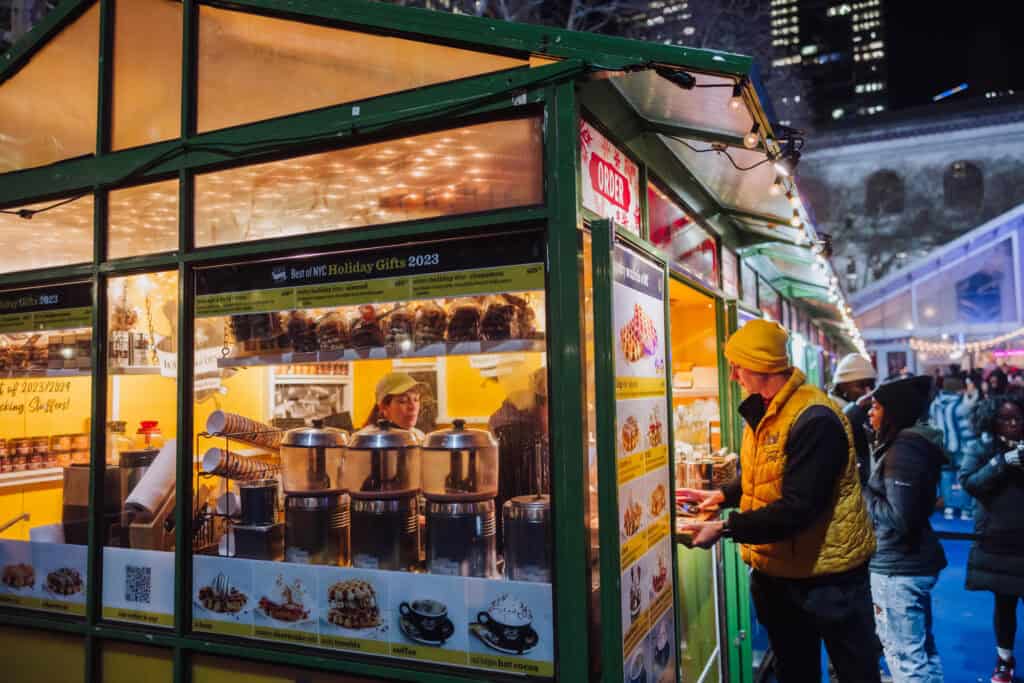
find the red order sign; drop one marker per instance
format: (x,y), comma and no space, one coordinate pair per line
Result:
(606,180)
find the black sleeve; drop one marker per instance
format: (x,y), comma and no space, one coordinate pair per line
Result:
(816,452)
(732,492)
(909,484)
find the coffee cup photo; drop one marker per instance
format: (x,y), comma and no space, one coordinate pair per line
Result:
(429,618)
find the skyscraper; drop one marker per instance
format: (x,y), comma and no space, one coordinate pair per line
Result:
(662,21)
(839,49)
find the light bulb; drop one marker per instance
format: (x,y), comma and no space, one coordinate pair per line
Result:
(794,199)
(751,139)
(776,188)
(795,220)
(735,102)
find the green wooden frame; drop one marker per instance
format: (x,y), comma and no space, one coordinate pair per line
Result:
(551,90)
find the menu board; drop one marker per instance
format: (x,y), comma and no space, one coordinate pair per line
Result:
(58,307)
(611,181)
(642,467)
(43,576)
(508,263)
(451,620)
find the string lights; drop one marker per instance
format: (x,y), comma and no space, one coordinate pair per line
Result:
(924,346)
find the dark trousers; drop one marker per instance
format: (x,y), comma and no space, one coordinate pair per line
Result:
(1004,619)
(799,614)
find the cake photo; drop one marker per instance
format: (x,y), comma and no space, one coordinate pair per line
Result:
(353,604)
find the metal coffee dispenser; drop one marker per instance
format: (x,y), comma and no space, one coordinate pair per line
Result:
(316,510)
(527,526)
(382,475)
(460,482)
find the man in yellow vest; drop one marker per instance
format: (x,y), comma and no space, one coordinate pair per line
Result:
(802,524)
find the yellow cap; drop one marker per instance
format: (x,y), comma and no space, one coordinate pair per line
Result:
(759,346)
(395,383)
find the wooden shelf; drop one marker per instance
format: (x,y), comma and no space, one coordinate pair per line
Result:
(25,477)
(382,353)
(695,392)
(38,374)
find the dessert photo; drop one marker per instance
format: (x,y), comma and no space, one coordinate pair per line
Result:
(64,581)
(353,604)
(658,501)
(18,575)
(287,603)
(630,434)
(638,337)
(221,597)
(632,518)
(506,626)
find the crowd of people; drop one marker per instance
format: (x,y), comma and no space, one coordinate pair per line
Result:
(836,496)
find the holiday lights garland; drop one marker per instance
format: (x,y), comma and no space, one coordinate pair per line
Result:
(969,347)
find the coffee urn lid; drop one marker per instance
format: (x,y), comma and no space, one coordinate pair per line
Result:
(530,508)
(381,436)
(315,436)
(458,438)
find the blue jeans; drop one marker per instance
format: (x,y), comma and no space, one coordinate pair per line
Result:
(903,620)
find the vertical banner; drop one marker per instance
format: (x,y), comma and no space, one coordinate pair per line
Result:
(611,181)
(633,447)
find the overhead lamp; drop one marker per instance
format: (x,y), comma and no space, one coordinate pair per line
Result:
(683,79)
(776,189)
(795,220)
(751,139)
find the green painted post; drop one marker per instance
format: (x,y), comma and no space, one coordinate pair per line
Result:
(568,448)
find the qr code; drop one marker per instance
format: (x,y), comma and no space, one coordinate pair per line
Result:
(138,583)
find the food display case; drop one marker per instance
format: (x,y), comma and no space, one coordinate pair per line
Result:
(373,343)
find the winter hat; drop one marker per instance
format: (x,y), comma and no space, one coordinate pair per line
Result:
(904,399)
(759,346)
(853,368)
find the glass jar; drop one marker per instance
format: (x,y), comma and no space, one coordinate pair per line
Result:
(117,441)
(149,436)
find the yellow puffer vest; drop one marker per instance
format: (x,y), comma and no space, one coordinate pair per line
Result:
(843,538)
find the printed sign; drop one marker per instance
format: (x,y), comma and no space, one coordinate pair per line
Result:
(509,263)
(503,626)
(43,576)
(611,181)
(642,467)
(138,586)
(59,307)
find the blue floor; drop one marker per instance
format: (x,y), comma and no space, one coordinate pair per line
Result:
(963,619)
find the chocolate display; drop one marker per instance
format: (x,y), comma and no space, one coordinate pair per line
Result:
(464,321)
(365,330)
(332,331)
(508,317)
(301,331)
(398,327)
(429,324)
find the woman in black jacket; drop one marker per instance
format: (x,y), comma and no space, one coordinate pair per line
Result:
(900,496)
(992,472)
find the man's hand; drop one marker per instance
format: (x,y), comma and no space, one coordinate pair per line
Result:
(706,500)
(705,534)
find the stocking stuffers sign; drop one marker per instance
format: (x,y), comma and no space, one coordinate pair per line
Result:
(611,187)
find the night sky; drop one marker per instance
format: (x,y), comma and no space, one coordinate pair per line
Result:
(935,46)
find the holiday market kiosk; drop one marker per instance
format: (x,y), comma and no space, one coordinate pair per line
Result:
(342,341)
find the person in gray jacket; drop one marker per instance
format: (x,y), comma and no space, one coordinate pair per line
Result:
(900,496)
(993,472)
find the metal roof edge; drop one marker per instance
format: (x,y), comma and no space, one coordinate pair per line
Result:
(20,54)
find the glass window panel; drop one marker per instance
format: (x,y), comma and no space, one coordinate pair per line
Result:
(253,67)
(730,273)
(48,108)
(286,343)
(143,219)
(482,167)
(749,284)
(688,245)
(45,413)
(57,237)
(869,319)
(138,557)
(768,300)
(978,290)
(147,41)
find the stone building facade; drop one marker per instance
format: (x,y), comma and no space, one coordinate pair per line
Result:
(890,190)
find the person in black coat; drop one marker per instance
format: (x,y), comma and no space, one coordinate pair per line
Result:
(993,473)
(900,496)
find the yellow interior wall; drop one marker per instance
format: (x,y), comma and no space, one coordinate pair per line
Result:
(30,656)
(146,397)
(74,419)
(130,663)
(245,394)
(365,375)
(693,335)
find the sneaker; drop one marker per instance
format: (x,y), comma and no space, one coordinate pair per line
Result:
(1003,672)
(948,513)
(966,515)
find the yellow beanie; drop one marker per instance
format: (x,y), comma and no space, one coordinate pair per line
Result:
(759,346)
